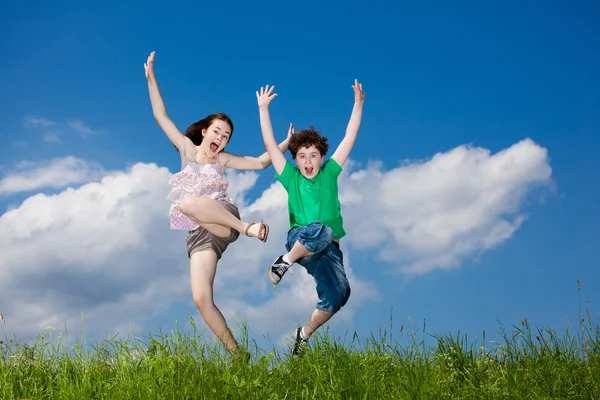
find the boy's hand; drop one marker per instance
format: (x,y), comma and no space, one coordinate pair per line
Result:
(149,67)
(290,131)
(265,96)
(359,95)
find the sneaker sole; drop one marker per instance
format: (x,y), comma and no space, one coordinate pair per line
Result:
(272,277)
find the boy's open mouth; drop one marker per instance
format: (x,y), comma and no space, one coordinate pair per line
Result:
(213,147)
(309,170)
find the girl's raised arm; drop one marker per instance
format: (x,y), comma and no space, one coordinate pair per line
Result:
(160,112)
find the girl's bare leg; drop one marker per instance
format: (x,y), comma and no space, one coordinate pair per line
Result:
(203,266)
(215,218)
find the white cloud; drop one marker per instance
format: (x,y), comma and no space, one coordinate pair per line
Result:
(239,184)
(76,125)
(51,137)
(102,249)
(34,122)
(105,248)
(79,127)
(435,214)
(55,173)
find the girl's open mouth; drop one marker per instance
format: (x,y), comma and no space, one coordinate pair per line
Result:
(213,147)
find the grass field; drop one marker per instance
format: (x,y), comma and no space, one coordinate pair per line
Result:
(530,363)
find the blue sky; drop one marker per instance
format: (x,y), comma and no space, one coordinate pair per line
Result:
(437,77)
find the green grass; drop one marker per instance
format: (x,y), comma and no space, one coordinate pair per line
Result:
(529,363)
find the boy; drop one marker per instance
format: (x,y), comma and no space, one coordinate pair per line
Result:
(316,224)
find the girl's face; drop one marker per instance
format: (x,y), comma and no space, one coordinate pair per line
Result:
(309,161)
(215,137)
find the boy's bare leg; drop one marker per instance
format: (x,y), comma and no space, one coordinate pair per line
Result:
(317,319)
(297,252)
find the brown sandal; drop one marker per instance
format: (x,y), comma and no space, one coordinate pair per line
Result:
(262,225)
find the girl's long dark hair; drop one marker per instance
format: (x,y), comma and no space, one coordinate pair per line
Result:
(194,131)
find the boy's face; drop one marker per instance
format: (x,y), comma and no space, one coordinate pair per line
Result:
(309,161)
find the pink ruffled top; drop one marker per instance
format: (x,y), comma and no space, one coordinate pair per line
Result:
(195,180)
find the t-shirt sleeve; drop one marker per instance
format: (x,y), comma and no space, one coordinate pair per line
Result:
(332,168)
(286,175)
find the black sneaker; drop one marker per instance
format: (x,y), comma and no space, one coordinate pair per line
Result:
(277,270)
(300,343)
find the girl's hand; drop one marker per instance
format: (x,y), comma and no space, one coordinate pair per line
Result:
(359,95)
(265,96)
(149,67)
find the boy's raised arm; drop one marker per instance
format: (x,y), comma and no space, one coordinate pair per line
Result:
(264,98)
(343,151)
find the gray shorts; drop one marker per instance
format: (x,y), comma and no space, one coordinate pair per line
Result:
(201,239)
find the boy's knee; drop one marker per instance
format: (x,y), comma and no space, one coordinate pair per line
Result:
(316,237)
(324,232)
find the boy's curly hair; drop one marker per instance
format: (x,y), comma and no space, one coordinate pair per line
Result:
(307,138)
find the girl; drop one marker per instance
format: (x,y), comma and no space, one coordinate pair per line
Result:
(200,203)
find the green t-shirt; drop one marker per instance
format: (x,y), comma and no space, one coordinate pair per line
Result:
(315,199)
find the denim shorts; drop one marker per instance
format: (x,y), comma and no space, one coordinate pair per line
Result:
(326,266)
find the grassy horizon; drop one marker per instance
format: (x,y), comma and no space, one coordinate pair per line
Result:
(529,362)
